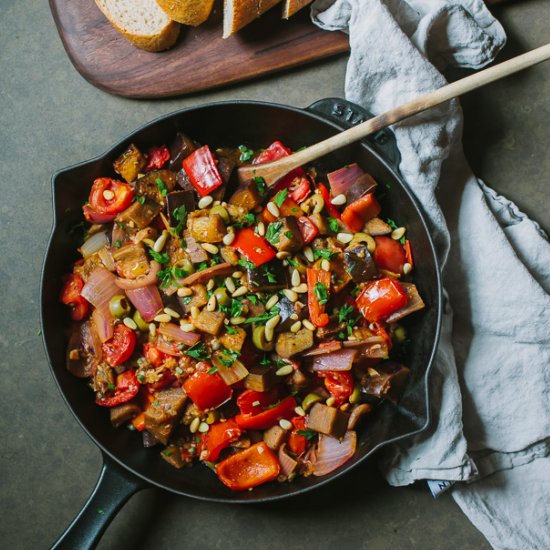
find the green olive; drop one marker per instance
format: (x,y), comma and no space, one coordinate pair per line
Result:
(222,297)
(186,265)
(400,333)
(259,339)
(140,321)
(309,400)
(355,394)
(119,306)
(221,211)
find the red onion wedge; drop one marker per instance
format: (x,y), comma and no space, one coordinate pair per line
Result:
(146,300)
(350,181)
(100,288)
(170,330)
(414,303)
(287,463)
(143,280)
(340,360)
(331,453)
(94,244)
(207,274)
(104,323)
(323,349)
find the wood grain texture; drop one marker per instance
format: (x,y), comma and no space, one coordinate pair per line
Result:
(200,60)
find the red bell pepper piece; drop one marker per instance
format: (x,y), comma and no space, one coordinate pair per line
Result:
(120,347)
(207,391)
(308,229)
(360,211)
(331,209)
(389,254)
(254,402)
(249,468)
(109,196)
(408,253)
(318,285)
(339,384)
(70,295)
(218,437)
(274,152)
(153,354)
(287,208)
(139,421)
(379,299)
(268,417)
(95,217)
(200,167)
(127,387)
(157,157)
(254,247)
(299,189)
(297,443)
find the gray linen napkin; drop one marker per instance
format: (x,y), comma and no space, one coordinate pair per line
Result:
(490,382)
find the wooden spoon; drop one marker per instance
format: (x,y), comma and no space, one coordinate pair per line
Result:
(273,171)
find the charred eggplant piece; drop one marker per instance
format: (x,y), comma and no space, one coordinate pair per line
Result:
(156,184)
(286,310)
(360,264)
(181,148)
(140,213)
(164,412)
(260,379)
(246,196)
(177,199)
(268,277)
(386,381)
(290,343)
(130,163)
(328,420)
(286,234)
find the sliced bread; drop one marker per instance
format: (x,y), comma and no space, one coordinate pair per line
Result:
(239,13)
(290,7)
(188,12)
(142,22)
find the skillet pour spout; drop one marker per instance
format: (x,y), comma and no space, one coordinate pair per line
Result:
(129,466)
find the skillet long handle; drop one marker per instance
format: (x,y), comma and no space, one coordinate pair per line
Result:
(113,488)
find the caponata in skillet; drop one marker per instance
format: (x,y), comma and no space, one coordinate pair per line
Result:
(247,328)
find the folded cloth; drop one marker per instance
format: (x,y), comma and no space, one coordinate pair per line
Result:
(490,386)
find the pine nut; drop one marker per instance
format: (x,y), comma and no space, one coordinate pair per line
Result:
(237,274)
(237,320)
(308,324)
(205,202)
(294,317)
(261,229)
(273,322)
(149,242)
(214,344)
(163,318)
(338,200)
(344,238)
(160,242)
(130,323)
(407,267)
(171,312)
(210,284)
(270,327)
(285,424)
(194,426)
(152,329)
(290,294)
(284,370)
(282,255)
(300,289)
(272,301)
(273,209)
(308,253)
(108,195)
(299,411)
(344,407)
(325,265)
(241,291)
(211,248)
(184,291)
(228,238)
(295,327)
(296,279)
(187,327)
(230,284)
(203,427)
(396,234)
(330,401)
(194,312)
(212,302)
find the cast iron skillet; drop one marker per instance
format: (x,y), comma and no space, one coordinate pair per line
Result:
(128,467)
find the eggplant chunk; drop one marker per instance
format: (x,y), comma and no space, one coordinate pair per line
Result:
(268,277)
(233,341)
(290,343)
(210,321)
(260,379)
(328,420)
(207,229)
(164,412)
(246,196)
(180,149)
(286,310)
(130,163)
(360,264)
(199,298)
(139,214)
(155,183)
(175,200)
(386,381)
(286,234)
(274,437)
(414,303)
(122,413)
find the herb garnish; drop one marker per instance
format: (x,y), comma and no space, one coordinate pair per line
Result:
(180,215)
(260,184)
(230,330)
(321,293)
(246,153)
(325,254)
(162,187)
(228,356)
(272,233)
(198,351)
(246,263)
(271,278)
(308,434)
(280,197)
(264,316)
(333,224)
(161,258)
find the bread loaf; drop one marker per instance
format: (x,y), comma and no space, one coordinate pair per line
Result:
(142,22)
(290,7)
(188,12)
(239,13)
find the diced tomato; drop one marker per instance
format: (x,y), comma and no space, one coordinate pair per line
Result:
(308,229)
(339,385)
(120,347)
(70,295)
(202,171)
(296,442)
(389,254)
(360,211)
(274,152)
(268,417)
(254,402)
(249,468)
(92,216)
(109,196)
(218,437)
(153,354)
(299,189)
(331,209)
(379,299)
(317,279)
(127,387)
(157,157)
(254,247)
(207,391)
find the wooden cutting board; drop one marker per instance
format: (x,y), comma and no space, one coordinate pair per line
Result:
(201,59)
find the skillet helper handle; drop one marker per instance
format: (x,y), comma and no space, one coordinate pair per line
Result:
(113,488)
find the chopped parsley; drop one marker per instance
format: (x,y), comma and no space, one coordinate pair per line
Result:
(167,452)
(392,223)
(344,313)
(198,351)
(308,434)
(141,377)
(202,266)
(321,292)
(261,185)
(246,153)
(266,361)
(161,258)
(253,298)
(236,308)
(289,235)
(280,197)
(246,263)
(292,262)
(271,278)
(230,330)
(141,199)
(273,230)
(167,276)
(186,301)
(180,215)
(213,370)
(264,316)
(228,356)
(118,244)
(325,254)
(162,187)
(249,218)
(333,224)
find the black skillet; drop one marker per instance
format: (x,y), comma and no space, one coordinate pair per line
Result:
(127,466)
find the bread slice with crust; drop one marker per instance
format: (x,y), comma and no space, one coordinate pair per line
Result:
(290,7)
(142,22)
(239,13)
(188,12)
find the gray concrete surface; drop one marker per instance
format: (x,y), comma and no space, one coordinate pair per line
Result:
(50,118)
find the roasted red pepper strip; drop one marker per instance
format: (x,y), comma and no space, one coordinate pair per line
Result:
(249,468)
(254,247)
(254,402)
(339,385)
(207,391)
(408,253)
(331,209)
(268,417)
(389,254)
(70,295)
(218,437)
(318,282)
(299,189)
(274,152)
(127,387)
(360,211)
(287,208)
(200,167)
(379,299)
(109,196)
(297,443)
(157,157)
(120,347)
(307,228)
